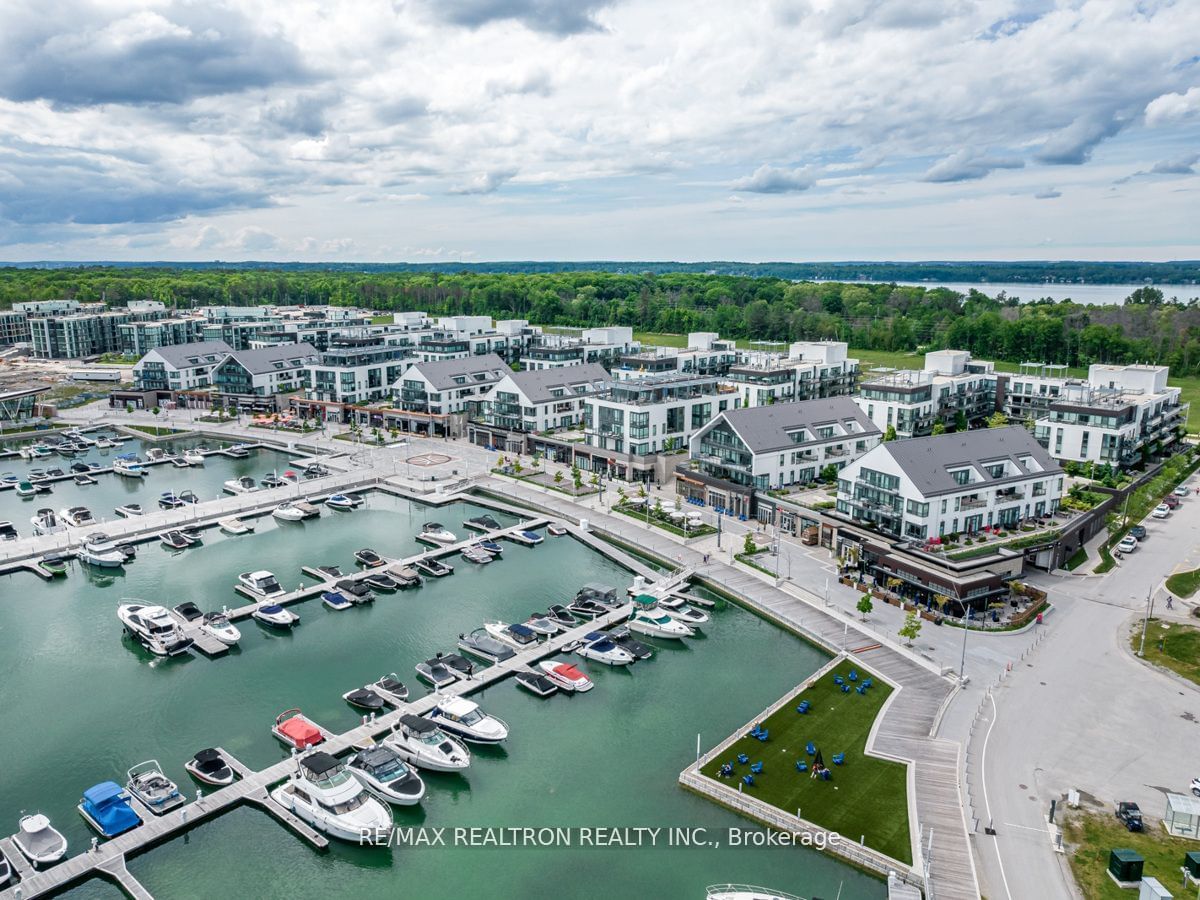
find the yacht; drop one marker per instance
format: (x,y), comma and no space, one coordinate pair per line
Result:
(335,600)
(46,522)
(536,683)
(296,730)
(210,767)
(652,621)
(148,784)
(419,742)
(435,533)
(193,457)
(340,501)
(288,512)
(565,676)
(39,841)
(218,625)
(540,624)
(599,647)
(678,608)
(243,485)
(561,616)
(622,637)
(368,557)
(169,500)
(8,532)
(390,688)
(106,808)
(587,609)
(476,555)
(381,581)
(434,568)
(482,644)
(99,550)
(365,698)
(174,540)
(519,637)
(235,526)
(262,582)
(157,454)
(333,801)
(482,523)
(745,892)
(129,466)
(25,489)
(129,510)
(383,772)
(275,615)
(436,673)
(78,517)
(463,718)
(154,628)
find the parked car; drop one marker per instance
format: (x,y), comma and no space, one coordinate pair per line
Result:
(1130,815)
(1181,491)
(1128,544)
(1138,531)
(1196,786)
(1161,511)
(1171,500)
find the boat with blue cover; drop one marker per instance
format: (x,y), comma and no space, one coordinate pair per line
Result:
(106,808)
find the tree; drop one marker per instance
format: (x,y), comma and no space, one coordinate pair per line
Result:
(960,421)
(865,606)
(997,420)
(595,479)
(941,601)
(829,473)
(748,546)
(517,467)
(558,477)
(576,478)
(128,408)
(911,628)
(1145,296)
(642,490)
(939,428)
(890,434)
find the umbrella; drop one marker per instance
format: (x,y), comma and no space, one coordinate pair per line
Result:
(818,760)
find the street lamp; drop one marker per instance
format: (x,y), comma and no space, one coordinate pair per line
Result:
(1146,624)
(962,663)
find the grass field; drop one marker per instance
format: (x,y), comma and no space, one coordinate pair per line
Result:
(153,430)
(1184,584)
(1172,646)
(867,796)
(1091,837)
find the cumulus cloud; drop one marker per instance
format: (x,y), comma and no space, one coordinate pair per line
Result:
(1073,145)
(485,182)
(1174,107)
(1049,194)
(768,179)
(969,165)
(557,17)
(1180,165)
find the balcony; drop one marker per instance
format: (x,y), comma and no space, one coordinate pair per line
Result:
(1007,496)
(972,503)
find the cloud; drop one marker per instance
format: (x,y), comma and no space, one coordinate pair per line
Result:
(485,182)
(1174,107)
(1073,145)
(253,237)
(535,81)
(768,179)
(1050,194)
(556,17)
(969,165)
(1180,165)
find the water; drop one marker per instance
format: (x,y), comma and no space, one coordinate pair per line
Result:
(1088,294)
(83,704)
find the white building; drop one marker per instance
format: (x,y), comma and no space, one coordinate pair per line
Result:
(542,400)
(356,370)
(951,484)
(448,386)
(605,346)
(706,354)
(912,401)
(809,370)
(181,367)
(265,372)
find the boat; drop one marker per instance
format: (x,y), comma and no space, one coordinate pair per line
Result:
(275,615)
(126,549)
(8,532)
(340,501)
(326,796)
(129,510)
(491,547)
(531,537)
(169,500)
(148,784)
(745,892)
(99,550)
(369,558)
(383,772)
(9,478)
(364,698)
(565,676)
(356,592)
(80,468)
(519,637)
(542,625)
(210,767)
(435,533)
(39,451)
(78,517)
(295,730)
(189,497)
(234,526)
(381,581)
(189,611)
(561,616)
(419,742)
(536,683)
(46,522)
(599,647)
(482,644)
(599,593)
(330,571)
(154,628)
(54,563)
(238,451)
(39,841)
(287,512)
(434,568)
(435,672)
(476,555)
(218,625)
(157,454)
(622,637)
(55,473)
(335,600)
(460,665)
(193,457)
(272,480)
(587,609)
(179,462)
(262,583)
(405,576)
(307,510)
(85,480)
(243,485)
(555,529)
(129,466)
(678,608)
(315,470)
(106,808)
(483,523)
(463,718)
(648,619)
(174,540)
(390,688)
(104,443)
(25,489)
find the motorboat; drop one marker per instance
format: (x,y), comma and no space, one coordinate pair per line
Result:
(335,600)
(218,625)
(25,489)
(390,688)
(8,532)
(678,608)
(340,501)
(210,767)
(80,468)
(492,547)
(148,784)
(599,647)
(484,645)
(129,510)
(294,729)
(174,539)
(78,517)
(561,616)
(127,549)
(622,637)
(405,576)
(531,537)
(272,480)
(326,796)
(434,568)
(435,533)
(262,582)
(648,619)
(157,454)
(129,466)
(315,470)
(435,672)
(369,558)
(179,462)
(383,772)
(237,451)
(105,443)
(458,664)
(287,512)
(234,526)
(565,676)
(189,497)
(54,563)
(99,550)
(275,615)
(519,637)
(745,892)
(381,581)
(483,523)
(307,510)
(39,451)
(9,478)
(46,522)
(243,485)
(463,718)
(154,628)
(542,625)
(600,593)
(85,480)
(193,457)
(364,698)
(331,571)
(169,500)
(587,609)
(476,555)
(555,529)
(189,611)
(536,683)
(39,841)
(106,808)
(421,743)
(55,473)
(356,592)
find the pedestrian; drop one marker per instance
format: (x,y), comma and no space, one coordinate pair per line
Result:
(1170,602)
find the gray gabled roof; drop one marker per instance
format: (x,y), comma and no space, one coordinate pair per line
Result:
(537,384)
(180,355)
(927,461)
(259,362)
(441,373)
(766,428)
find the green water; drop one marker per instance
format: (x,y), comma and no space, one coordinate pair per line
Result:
(83,704)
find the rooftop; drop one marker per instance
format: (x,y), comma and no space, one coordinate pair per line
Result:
(766,428)
(442,373)
(928,461)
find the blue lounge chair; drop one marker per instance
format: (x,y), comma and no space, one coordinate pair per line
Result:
(809,748)
(837,679)
(802,709)
(755,731)
(845,688)
(867,682)
(743,758)
(853,675)
(862,689)
(748,780)
(801,766)
(763,735)
(826,775)
(839,758)
(756,768)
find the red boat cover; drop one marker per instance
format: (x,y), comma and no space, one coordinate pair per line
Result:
(301,732)
(569,671)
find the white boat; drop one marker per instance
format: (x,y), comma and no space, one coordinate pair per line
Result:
(275,615)
(101,551)
(307,510)
(169,500)
(40,842)
(678,608)
(463,718)
(565,676)
(103,443)
(129,510)
(174,540)
(179,462)
(481,643)
(476,555)
(46,522)
(234,526)
(519,637)
(536,683)
(262,582)
(435,533)
(154,628)
(39,451)
(420,743)
(340,501)
(243,485)
(238,451)
(556,529)
(381,771)
(652,621)
(210,767)
(599,647)
(326,796)
(130,467)
(390,688)
(745,892)
(8,532)
(77,517)
(158,792)
(288,512)
(217,625)
(193,457)
(542,625)
(157,454)
(25,489)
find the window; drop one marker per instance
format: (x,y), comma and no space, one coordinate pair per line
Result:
(920,510)
(962,476)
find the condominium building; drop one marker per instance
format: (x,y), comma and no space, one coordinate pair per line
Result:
(605,346)
(14,327)
(77,335)
(356,370)
(138,338)
(179,367)
(448,386)
(810,369)
(265,372)
(541,400)
(951,389)
(705,354)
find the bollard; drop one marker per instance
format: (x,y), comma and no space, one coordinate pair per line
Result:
(95,844)
(183,816)
(199,795)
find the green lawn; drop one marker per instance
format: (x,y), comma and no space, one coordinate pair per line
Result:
(154,430)
(1091,837)
(1184,584)
(663,521)
(867,796)
(1078,558)
(1172,646)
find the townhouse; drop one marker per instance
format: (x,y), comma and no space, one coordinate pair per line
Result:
(180,367)
(252,377)
(534,401)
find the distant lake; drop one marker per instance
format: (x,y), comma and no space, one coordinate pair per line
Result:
(1097,294)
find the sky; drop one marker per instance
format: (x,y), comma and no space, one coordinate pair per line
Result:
(483,130)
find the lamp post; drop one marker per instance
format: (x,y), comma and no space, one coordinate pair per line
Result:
(1146,624)
(962,663)
(718,529)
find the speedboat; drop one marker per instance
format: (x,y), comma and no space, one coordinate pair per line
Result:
(169,500)
(435,533)
(78,517)
(262,583)
(25,489)
(405,576)
(330,571)
(46,522)
(234,526)
(420,743)
(85,480)
(275,615)
(189,611)
(126,549)
(80,468)
(237,451)
(356,592)
(476,555)
(210,767)
(154,628)
(599,593)
(364,698)
(491,547)
(335,600)
(129,510)
(650,620)
(179,462)
(587,609)
(104,443)
(39,841)
(631,645)
(99,550)
(434,568)
(531,537)
(217,625)
(272,480)
(599,647)
(536,683)
(463,718)
(295,730)
(383,772)
(561,616)
(193,457)
(8,532)
(9,478)
(243,485)
(157,454)
(678,608)
(148,783)
(555,529)
(381,581)
(540,624)
(482,523)
(333,801)
(565,675)
(390,688)
(307,510)
(315,470)
(369,558)
(106,808)
(287,512)
(745,892)
(39,451)
(340,501)
(129,466)
(460,665)
(54,563)
(435,672)
(519,637)
(174,540)
(189,497)
(482,644)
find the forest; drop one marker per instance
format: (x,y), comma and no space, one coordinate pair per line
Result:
(867,315)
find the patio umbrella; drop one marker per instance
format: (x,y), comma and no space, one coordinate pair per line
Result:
(818,760)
